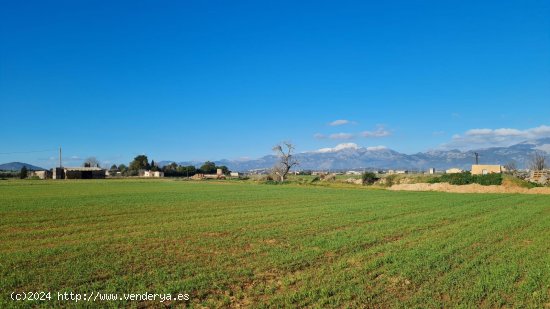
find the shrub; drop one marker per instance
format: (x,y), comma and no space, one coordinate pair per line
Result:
(5,175)
(329,177)
(467,178)
(434,180)
(315,179)
(302,180)
(261,178)
(368,178)
(391,180)
(457,179)
(487,180)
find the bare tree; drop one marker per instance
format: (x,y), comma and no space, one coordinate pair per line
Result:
(91,162)
(511,167)
(287,161)
(538,161)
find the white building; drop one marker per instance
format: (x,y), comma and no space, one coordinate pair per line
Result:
(39,174)
(393,172)
(454,170)
(152,174)
(483,169)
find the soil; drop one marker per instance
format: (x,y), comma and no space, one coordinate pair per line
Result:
(472,188)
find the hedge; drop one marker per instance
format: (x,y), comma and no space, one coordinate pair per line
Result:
(467,178)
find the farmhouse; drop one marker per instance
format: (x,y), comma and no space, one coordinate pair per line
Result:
(480,169)
(78,173)
(112,174)
(454,170)
(39,174)
(153,174)
(207,176)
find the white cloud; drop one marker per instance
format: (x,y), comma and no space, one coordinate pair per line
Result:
(338,148)
(542,130)
(243,159)
(341,136)
(496,132)
(476,138)
(320,136)
(339,122)
(545,148)
(379,132)
(376,148)
(474,132)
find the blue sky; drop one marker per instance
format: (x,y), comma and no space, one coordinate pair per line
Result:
(197,80)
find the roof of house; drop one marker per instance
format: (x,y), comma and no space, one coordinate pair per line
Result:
(83,169)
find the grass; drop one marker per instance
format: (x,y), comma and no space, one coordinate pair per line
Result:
(512,181)
(231,243)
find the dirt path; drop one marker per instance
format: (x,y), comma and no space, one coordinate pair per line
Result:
(472,188)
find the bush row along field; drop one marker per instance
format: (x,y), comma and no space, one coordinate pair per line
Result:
(385,181)
(467,178)
(236,243)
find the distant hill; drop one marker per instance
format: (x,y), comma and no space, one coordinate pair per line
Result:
(350,156)
(16,166)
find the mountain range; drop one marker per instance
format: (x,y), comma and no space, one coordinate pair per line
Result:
(350,156)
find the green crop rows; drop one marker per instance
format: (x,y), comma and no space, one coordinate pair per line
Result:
(230,244)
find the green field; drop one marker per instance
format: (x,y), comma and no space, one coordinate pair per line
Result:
(231,244)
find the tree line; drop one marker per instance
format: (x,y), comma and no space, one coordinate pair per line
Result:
(173,169)
(284,152)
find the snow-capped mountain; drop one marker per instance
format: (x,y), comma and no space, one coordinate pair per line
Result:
(351,156)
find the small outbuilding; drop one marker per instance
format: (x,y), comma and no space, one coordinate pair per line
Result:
(453,170)
(40,174)
(152,174)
